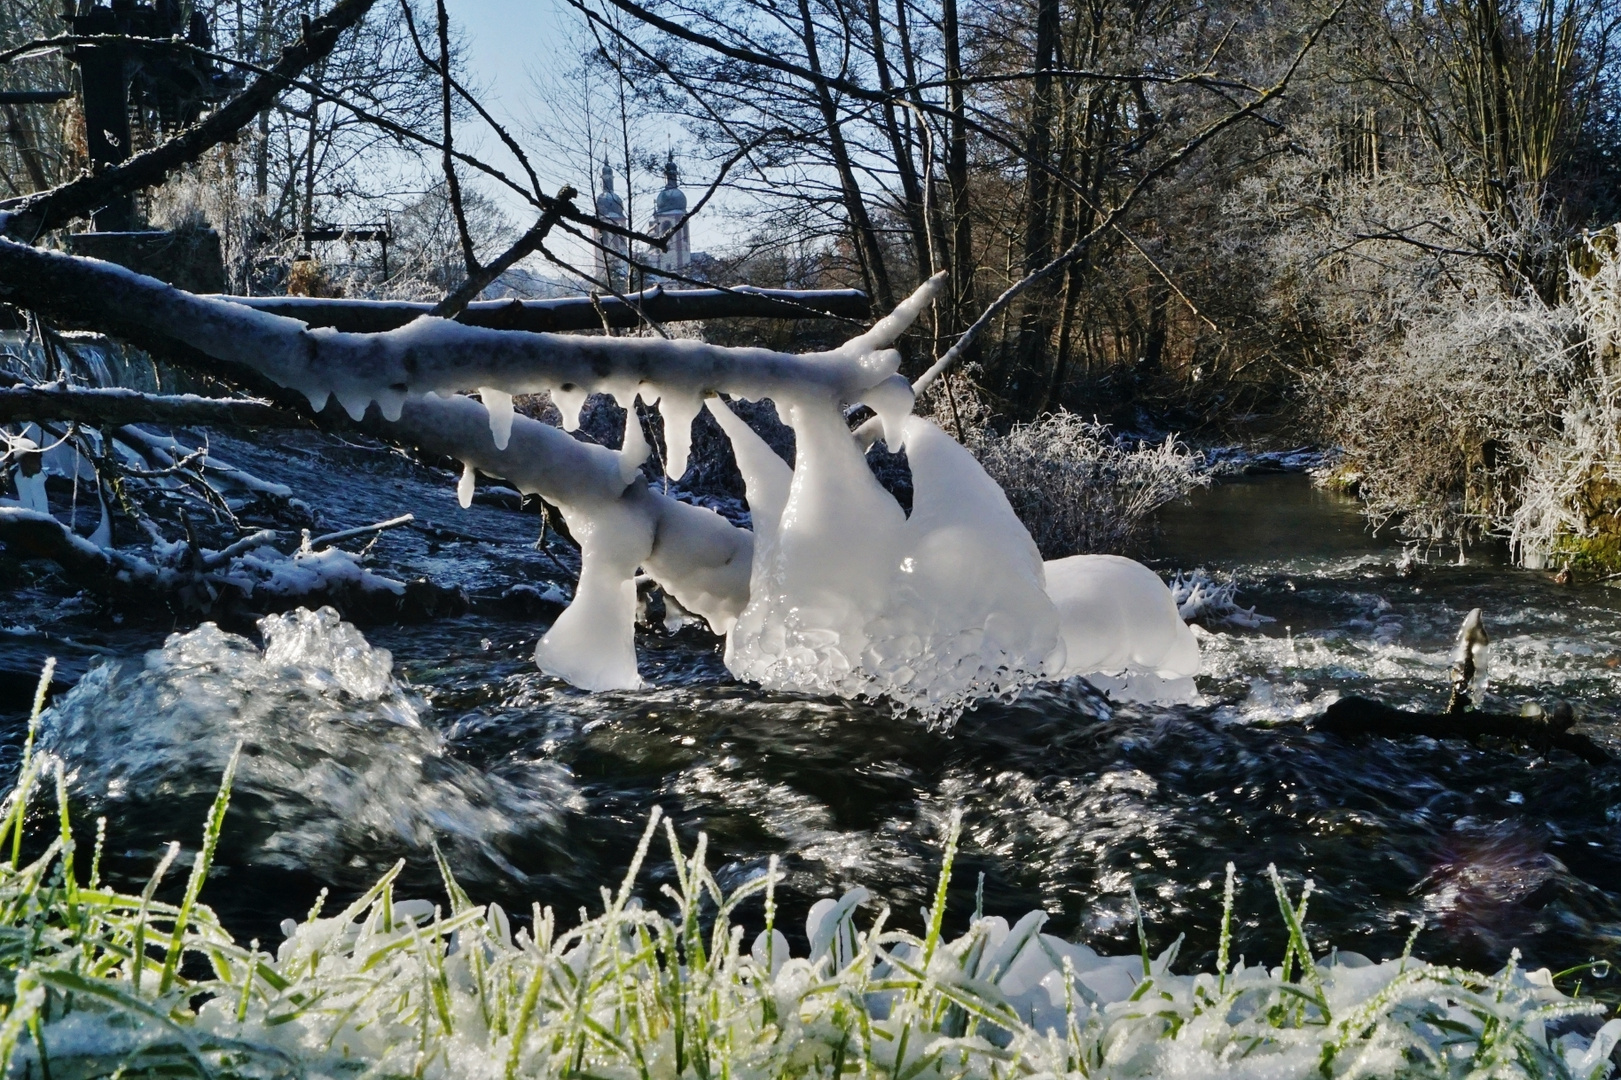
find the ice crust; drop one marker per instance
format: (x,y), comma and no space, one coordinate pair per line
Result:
(850,596)
(1122,628)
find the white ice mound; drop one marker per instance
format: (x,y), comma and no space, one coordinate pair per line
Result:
(1122,629)
(849,596)
(335,757)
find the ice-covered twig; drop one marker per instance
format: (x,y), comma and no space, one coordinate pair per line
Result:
(248,543)
(350,534)
(250,571)
(1198,596)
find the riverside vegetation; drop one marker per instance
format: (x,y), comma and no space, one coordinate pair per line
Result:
(103,983)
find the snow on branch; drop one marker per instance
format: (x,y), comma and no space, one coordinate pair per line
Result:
(440,355)
(115,407)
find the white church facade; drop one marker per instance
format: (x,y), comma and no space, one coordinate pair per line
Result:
(668,223)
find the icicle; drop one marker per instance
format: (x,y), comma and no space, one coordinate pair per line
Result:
(892,400)
(464,488)
(354,403)
(390,402)
(766,477)
(569,401)
(593,643)
(499,405)
(103,536)
(634,450)
(679,411)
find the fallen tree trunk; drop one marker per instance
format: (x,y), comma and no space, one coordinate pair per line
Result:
(1364,716)
(574,312)
(438,355)
(237,584)
(117,407)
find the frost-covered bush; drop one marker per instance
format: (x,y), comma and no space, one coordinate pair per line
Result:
(1443,425)
(1500,418)
(1570,483)
(1078,488)
(104,984)
(1469,399)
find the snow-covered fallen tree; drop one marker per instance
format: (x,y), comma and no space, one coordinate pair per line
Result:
(837,589)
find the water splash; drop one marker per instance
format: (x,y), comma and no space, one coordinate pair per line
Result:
(344,770)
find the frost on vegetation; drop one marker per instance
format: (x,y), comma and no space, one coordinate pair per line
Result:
(339,759)
(1201,598)
(1079,488)
(115,984)
(202,579)
(1443,427)
(1467,405)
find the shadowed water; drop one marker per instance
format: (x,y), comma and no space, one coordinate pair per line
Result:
(538,792)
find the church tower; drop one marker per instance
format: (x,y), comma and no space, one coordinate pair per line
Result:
(613,249)
(668,211)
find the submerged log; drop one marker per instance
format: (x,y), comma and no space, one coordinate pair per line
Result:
(1364,716)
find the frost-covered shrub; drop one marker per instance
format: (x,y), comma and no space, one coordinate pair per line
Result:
(1501,418)
(1470,401)
(1443,425)
(1078,488)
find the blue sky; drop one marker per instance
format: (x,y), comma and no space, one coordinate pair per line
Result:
(507,43)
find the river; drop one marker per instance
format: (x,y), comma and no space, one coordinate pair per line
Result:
(538,792)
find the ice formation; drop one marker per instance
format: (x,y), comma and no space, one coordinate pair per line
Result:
(1122,628)
(851,596)
(839,592)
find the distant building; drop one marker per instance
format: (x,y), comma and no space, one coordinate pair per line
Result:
(612,248)
(669,214)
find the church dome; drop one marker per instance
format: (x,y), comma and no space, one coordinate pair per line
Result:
(671,200)
(610,207)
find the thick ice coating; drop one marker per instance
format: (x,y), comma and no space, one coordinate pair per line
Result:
(838,591)
(1122,629)
(850,596)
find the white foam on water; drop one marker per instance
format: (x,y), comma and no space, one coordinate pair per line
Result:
(332,743)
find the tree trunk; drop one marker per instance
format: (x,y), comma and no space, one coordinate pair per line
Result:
(868,249)
(964,304)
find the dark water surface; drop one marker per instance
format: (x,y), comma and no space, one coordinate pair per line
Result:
(538,792)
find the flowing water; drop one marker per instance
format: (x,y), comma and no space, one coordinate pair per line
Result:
(537,792)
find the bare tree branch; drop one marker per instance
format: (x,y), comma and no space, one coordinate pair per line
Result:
(479,278)
(27,217)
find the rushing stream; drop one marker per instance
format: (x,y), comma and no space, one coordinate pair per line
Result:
(536,791)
